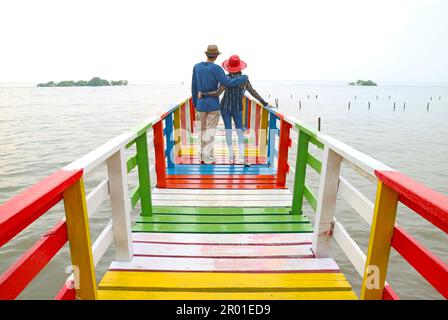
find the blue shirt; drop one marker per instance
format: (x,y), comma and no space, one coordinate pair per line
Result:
(206,77)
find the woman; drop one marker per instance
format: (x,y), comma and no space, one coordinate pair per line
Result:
(232,106)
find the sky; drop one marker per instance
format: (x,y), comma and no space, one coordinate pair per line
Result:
(318,40)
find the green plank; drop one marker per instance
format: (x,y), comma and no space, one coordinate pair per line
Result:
(223,219)
(317,143)
(314,163)
(131,163)
(224,228)
(143,174)
(310,197)
(300,173)
(221,210)
(135,196)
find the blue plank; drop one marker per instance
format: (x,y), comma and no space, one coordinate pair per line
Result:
(169,138)
(220,169)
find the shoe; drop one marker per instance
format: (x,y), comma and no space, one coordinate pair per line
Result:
(247,164)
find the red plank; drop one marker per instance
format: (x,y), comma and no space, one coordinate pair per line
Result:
(67,292)
(159,151)
(19,212)
(282,166)
(431,205)
(20,274)
(433,269)
(222,186)
(192,115)
(221,176)
(389,293)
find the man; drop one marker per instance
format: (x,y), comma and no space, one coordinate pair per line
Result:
(206,77)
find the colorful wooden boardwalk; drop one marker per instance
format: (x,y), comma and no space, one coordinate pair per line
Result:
(186,230)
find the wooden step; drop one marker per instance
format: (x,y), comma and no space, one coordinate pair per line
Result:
(222,219)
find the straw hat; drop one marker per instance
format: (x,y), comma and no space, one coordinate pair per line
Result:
(212,50)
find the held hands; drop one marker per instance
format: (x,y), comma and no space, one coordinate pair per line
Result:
(200,95)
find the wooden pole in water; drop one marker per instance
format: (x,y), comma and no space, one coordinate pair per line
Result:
(276,102)
(300,104)
(369,105)
(349,103)
(376,97)
(318,124)
(308,96)
(427,107)
(316,96)
(404,105)
(395,104)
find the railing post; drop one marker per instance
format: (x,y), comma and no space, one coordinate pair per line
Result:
(380,242)
(177,139)
(144,179)
(326,202)
(119,198)
(79,238)
(271,138)
(300,172)
(263,131)
(169,140)
(284,144)
(159,150)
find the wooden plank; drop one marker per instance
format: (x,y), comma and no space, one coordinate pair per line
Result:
(22,272)
(131,163)
(159,147)
(314,163)
(310,197)
(221,186)
(300,173)
(169,138)
(431,205)
(223,203)
(379,243)
(182,295)
(220,197)
(231,282)
(326,202)
(366,163)
(177,138)
(433,269)
(227,265)
(222,228)
(262,239)
(222,210)
(241,177)
(98,156)
(363,206)
(219,181)
(118,185)
(79,238)
(222,251)
(282,164)
(102,243)
(97,196)
(135,197)
(19,212)
(67,292)
(143,174)
(350,248)
(223,219)
(223,192)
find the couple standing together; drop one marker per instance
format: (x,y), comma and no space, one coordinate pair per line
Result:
(208,83)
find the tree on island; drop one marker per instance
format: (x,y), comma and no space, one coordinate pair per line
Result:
(368,83)
(94,82)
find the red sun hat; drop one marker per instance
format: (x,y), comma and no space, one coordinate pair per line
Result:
(234,64)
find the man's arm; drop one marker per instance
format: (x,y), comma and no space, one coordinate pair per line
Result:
(255,94)
(194,88)
(228,81)
(216,93)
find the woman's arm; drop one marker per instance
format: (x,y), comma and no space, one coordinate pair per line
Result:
(255,94)
(216,93)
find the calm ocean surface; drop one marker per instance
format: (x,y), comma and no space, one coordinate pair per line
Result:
(43,129)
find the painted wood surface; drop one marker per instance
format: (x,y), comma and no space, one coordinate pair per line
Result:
(144,180)
(300,173)
(159,149)
(118,185)
(16,278)
(379,243)
(324,265)
(20,211)
(328,186)
(431,205)
(79,237)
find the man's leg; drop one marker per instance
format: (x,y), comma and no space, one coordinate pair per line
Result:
(201,126)
(212,123)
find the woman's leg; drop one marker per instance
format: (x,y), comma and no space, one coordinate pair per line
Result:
(238,119)
(228,127)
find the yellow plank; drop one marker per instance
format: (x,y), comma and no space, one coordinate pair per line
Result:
(221,281)
(182,295)
(263,130)
(379,243)
(79,238)
(244,110)
(177,137)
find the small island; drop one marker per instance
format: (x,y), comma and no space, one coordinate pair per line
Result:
(94,82)
(368,83)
